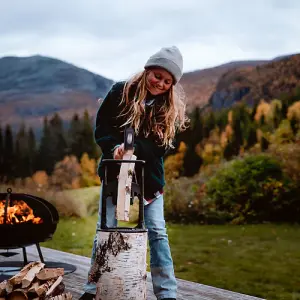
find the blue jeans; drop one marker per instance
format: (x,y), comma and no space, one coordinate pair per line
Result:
(161,263)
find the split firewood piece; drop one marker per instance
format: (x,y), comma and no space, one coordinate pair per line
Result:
(43,288)
(17,279)
(28,278)
(67,296)
(32,289)
(49,273)
(3,288)
(54,285)
(124,187)
(58,290)
(17,294)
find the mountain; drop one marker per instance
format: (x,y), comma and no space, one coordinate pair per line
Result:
(250,84)
(37,86)
(200,85)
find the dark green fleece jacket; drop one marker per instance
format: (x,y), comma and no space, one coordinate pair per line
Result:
(109,134)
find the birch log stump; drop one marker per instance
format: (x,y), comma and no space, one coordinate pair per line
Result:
(120,268)
(124,187)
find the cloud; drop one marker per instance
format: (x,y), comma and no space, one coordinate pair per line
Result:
(115,38)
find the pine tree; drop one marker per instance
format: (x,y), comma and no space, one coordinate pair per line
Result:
(22,153)
(237,137)
(44,157)
(87,137)
(192,161)
(1,154)
(253,112)
(209,124)
(252,137)
(294,124)
(277,116)
(264,143)
(228,150)
(32,155)
(75,137)
(8,157)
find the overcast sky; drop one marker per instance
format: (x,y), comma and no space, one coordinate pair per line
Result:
(114,38)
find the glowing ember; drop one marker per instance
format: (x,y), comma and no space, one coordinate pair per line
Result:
(19,212)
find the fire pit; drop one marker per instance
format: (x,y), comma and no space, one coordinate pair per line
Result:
(25,220)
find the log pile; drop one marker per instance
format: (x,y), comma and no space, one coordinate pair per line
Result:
(35,282)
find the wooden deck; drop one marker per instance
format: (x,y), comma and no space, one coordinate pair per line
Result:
(75,281)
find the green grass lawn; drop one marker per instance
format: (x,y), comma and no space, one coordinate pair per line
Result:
(259,260)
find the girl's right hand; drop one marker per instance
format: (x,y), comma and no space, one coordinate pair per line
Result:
(119,152)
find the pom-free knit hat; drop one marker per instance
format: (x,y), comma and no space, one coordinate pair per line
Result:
(168,58)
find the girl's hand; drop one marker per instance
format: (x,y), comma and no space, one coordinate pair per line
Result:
(119,152)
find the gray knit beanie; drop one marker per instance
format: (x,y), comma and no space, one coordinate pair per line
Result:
(168,58)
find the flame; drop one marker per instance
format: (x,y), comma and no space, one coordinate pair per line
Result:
(19,212)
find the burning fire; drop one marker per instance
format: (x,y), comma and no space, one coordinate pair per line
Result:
(20,212)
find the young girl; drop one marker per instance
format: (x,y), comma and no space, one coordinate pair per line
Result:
(152,105)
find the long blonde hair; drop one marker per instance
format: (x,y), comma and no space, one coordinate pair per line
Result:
(170,116)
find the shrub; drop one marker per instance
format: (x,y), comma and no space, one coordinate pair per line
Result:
(254,189)
(289,156)
(66,174)
(66,205)
(185,202)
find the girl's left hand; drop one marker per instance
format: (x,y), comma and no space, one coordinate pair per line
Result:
(119,152)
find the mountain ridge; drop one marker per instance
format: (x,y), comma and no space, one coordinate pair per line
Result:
(37,86)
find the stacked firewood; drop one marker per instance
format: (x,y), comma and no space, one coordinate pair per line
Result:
(35,282)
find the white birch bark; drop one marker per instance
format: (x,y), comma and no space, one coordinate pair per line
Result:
(120,269)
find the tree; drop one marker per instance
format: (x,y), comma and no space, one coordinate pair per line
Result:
(264,143)
(294,124)
(192,161)
(277,117)
(44,160)
(252,137)
(1,155)
(32,155)
(22,153)
(209,124)
(75,137)
(90,146)
(237,137)
(8,155)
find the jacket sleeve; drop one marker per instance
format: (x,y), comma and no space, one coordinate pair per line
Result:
(106,133)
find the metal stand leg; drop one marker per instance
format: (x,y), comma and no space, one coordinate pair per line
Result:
(40,252)
(25,256)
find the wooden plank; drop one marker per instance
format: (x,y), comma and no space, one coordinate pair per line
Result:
(75,281)
(124,187)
